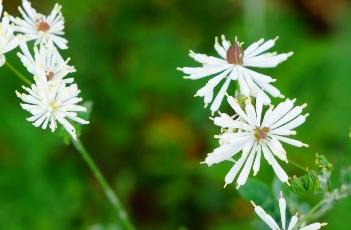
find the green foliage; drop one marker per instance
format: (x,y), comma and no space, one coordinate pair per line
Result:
(307,182)
(257,191)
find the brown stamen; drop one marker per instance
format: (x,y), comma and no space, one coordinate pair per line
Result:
(42,26)
(49,75)
(261,133)
(234,54)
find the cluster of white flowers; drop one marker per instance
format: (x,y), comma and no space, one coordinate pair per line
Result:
(253,130)
(256,127)
(53,97)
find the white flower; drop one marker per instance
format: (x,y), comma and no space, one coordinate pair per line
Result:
(39,27)
(46,58)
(232,66)
(52,103)
(293,222)
(255,133)
(8,41)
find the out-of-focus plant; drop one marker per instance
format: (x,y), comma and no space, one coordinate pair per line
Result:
(51,96)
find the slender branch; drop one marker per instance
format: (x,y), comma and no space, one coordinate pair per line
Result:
(18,73)
(112,197)
(297,165)
(312,211)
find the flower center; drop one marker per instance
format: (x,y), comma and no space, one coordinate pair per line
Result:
(49,75)
(234,54)
(261,133)
(42,25)
(54,106)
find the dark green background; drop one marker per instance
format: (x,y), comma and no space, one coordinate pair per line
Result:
(147,133)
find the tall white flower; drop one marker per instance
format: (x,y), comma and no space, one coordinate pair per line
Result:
(39,27)
(8,41)
(253,132)
(46,58)
(50,104)
(293,224)
(233,65)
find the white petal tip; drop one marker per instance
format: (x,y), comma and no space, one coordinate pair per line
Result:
(303,106)
(253,203)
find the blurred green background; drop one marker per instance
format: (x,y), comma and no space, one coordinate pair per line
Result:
(148,134)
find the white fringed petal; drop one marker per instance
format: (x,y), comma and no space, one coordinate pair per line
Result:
(250,83)
(28,25)
(51,103)
(282,208)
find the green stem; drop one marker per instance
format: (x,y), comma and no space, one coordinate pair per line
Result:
(297,165)
(18,73)
(112,197)
(312,211)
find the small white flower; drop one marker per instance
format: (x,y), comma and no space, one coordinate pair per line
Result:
(46,58)
(52,103)
(39,27)
(293,225)
(255,133)
(232,65)
(8,41)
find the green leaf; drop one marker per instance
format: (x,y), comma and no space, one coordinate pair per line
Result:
(257,191)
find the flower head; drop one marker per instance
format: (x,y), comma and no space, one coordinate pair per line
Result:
(46,58)
(233,65)
(253,132)
(52,102)
(293,224)
(8,41)
(39,27)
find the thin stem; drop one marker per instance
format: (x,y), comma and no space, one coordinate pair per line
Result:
(112,197)
(297,165)
(312,211)
(18,73)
